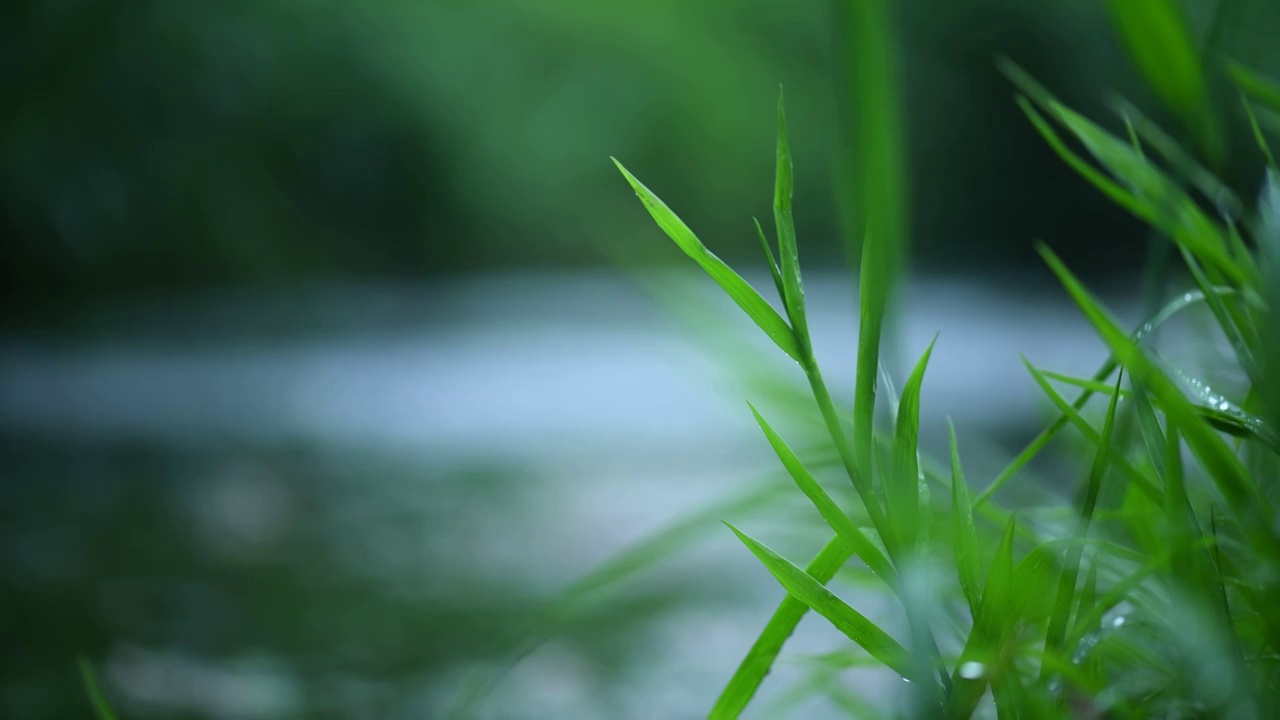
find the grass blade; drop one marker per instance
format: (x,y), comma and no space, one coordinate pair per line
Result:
(1160,43)
(784,187)
(813,593)
(1258,137)
(101,708)
(760,658)
(773,264)
(902,486)
(983,643)
(1217,459)
(1133,474)
(965,533)
(1254,85)
(760,311)
(873,168)
(1071,568)
(1152,436)
(835,517)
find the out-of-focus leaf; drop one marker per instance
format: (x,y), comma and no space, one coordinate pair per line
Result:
(1159,41)
(964,533)
(101,708)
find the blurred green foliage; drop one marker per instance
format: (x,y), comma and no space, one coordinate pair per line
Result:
(151,147)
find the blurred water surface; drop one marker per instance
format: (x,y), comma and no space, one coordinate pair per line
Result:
(338,499)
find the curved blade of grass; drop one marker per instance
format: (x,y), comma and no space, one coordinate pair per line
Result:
(101,708)
(1160,43)
(1037,444)
(1152,435)
(1254,85)
(1231,319)
(813,593)
(830,511)
(764,651)
(1186,166)
(1071,569)
(1233,420)
(1217,459)
(964,533)
(902,490)
(773,264)
(760,311)
(1258,137)
(1133,474)
(783,188)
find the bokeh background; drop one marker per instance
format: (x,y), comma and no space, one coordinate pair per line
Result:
(333,348)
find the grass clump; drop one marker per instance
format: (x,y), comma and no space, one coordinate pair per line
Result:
(1157,592)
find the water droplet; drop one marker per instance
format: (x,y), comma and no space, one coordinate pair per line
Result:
(1186,298)
(906,680)
(1120,620)
(972,670)
(1224,405)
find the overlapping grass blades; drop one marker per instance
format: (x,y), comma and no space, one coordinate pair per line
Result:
(1176,543)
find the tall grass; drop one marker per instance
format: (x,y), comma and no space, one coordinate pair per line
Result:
(1161,595)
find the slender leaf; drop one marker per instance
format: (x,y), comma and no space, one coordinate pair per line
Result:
(1133,474)
(835,517)
(1216,457)
(784,186)
(764,651)
(965,534)
(1071,568)
(101,708)
(1159,42)
(1253,84)
(760,311)
(813,593)
(902,487)
(774,272)
(983,644)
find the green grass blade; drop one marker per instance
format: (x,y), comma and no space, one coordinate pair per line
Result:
(1183,529)
(783,189)
(983,643)
(874,160)
(1131,473)
(760,311)
(1149,425)
(1254,85)
(774,272)
(835,517)
(902,485)
(813,593)
(1217,459)
(764,651)
(1071,568)
(1171,309)
(101,708)
(965,533)
(1258,137)
(1088,595)
(1112,597)
(1159,42)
